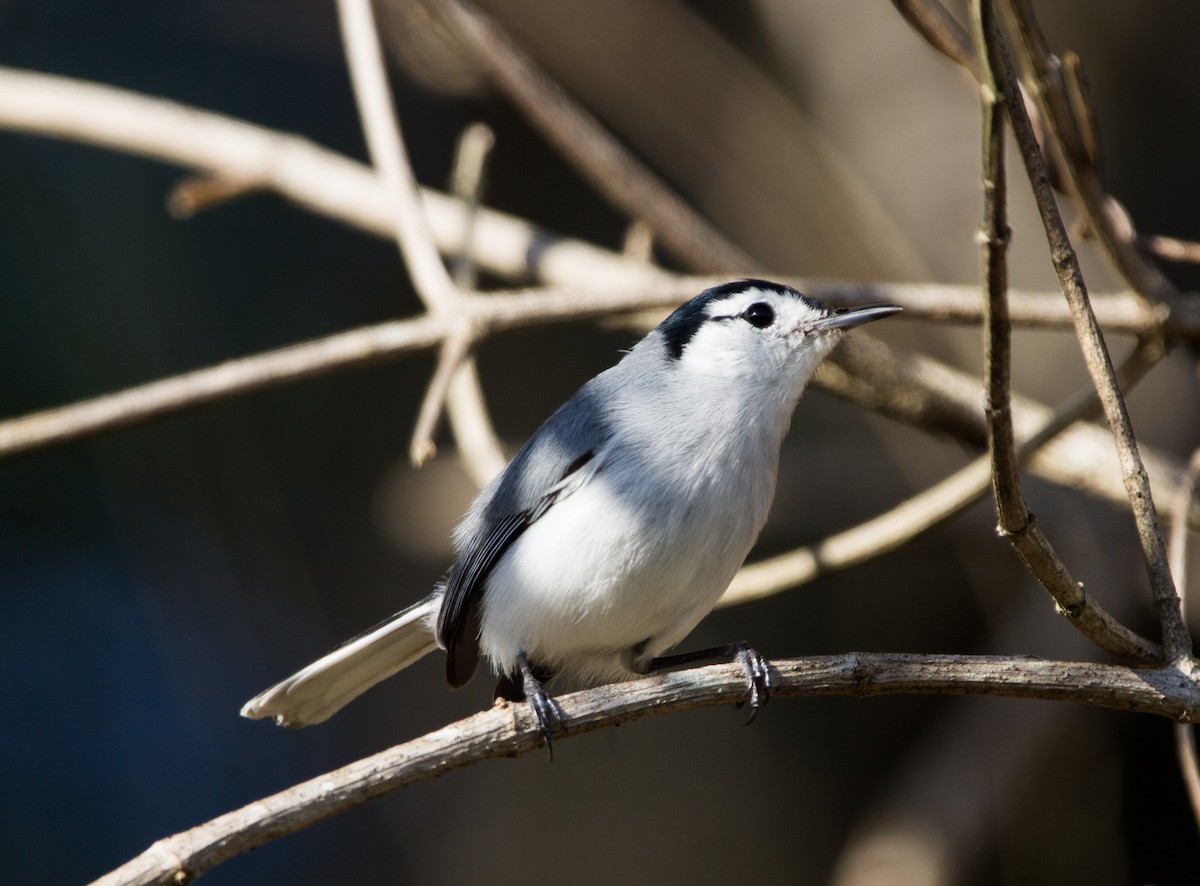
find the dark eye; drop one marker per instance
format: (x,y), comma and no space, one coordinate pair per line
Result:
(759,314)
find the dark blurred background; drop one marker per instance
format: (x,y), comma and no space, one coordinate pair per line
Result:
(152,580)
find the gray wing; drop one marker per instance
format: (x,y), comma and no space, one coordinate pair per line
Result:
(538,476)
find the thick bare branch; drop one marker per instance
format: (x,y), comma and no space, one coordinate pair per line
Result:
(292,167)
(508,730)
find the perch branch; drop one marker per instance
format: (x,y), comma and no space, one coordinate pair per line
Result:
(508,730)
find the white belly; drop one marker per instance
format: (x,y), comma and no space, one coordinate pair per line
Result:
(595,577)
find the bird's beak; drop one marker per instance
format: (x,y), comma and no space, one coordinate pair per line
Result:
(845,318)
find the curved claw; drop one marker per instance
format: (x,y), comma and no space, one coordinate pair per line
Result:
(545,709)
(758,673)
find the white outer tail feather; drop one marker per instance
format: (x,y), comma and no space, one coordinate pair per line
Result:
(317,692)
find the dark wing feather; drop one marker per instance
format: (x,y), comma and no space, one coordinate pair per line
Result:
(537,477)
(458,622)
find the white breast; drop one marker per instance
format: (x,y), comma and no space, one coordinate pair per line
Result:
(638,555)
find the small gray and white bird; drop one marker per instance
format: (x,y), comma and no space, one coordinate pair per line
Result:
(619,524)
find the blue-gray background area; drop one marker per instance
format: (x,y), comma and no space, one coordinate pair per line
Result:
(153,579)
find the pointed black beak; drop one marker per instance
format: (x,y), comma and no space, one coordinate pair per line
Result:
(845,318)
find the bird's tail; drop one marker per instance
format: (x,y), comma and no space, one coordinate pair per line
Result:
(317,692)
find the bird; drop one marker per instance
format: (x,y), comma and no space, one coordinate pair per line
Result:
(618,525)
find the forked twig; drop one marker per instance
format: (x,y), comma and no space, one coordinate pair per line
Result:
(1016,522)
(1066,264)
(432,281)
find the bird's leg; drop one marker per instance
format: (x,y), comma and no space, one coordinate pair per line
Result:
(758,670)
(529,689)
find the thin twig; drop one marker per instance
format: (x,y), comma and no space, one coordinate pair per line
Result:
(638,243)
(480,449)
(1078,93)
(994,235)
(1171,248)
(1016,523)
(313,177)
(1118,312)
(932,20)
(478,446)
(1105,216)
(1179,532)
(1064,101)
(357,347)
(467,175)
(924,393)
(1066,264)
(197,193)
(611,169)
(1189,764)
(508,730)
(233,378)
(386,145)
(433,282)
(1185,735)
(450,363)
